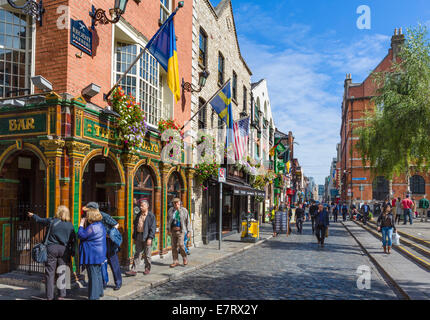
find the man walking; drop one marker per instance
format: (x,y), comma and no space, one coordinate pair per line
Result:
(145,226)
(312,211)
(321,224)
(178,222)
(336,210)
(407,205)
(344,211)
(365,209)
(423,208)
(300,214)
(111,247)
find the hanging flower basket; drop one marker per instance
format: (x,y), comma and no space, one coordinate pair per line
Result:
(132,121)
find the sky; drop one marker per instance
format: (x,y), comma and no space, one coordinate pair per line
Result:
(304,49)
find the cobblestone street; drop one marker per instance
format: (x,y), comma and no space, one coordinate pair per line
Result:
(282,268)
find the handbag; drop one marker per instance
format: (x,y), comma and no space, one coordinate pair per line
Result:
(326,233)
(39,253)
(396,239)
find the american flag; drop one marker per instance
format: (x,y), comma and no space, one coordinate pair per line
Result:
(241,135)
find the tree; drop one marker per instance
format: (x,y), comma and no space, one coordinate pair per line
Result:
(396,134)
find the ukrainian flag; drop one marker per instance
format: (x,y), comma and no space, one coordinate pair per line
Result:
(163,47)
(221,103)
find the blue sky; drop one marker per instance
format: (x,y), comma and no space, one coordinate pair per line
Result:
(304,49)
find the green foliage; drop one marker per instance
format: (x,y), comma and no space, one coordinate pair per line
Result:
(396,134)
(132,121)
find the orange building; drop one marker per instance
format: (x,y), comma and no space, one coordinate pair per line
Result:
(356,181)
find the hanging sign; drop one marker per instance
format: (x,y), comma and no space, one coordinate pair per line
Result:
(81,37)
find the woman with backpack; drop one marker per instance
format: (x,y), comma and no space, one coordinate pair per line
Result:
(60,246)
(386,225)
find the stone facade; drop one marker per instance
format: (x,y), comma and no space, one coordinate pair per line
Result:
(218,24)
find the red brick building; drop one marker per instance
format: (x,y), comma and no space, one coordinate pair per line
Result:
(56,147)
(356,181)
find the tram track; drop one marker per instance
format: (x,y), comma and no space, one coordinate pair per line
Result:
(412,249)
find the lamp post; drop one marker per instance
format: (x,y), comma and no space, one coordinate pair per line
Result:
(116,12)
(203,76)
(31,8)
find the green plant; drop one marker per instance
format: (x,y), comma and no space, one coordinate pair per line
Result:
(132,121)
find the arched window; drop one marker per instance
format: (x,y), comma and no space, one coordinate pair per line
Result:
(173,188)
(380,189)
(418,185)
(143,187)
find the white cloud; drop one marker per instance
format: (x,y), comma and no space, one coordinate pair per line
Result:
(305,82)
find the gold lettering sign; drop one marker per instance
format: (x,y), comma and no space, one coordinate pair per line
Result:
(21,124)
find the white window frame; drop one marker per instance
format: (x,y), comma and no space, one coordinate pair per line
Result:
(167,11)
(31,28)
(167,105)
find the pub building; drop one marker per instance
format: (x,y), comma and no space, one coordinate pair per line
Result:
(238,199)
(59,143)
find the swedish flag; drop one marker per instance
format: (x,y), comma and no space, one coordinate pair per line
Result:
(221,103)
(163,47)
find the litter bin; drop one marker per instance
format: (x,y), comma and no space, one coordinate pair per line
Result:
(250,229)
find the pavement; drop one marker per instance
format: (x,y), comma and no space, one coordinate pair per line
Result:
(417,229)
(201,256)
(412,281)
(283,268)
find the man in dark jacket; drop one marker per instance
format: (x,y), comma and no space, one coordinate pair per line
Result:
(145,226)
(111,249)
(321,224)
(365,210)
(344,211)
(312,211)
(300,215)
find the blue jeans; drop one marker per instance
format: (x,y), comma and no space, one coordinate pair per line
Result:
(387,232)
(95,281)
(105,275)
(185,243)
(407,213)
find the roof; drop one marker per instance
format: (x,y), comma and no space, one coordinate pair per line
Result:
(256,84)
(217,12)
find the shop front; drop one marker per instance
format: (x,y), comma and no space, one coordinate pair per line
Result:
(63,152)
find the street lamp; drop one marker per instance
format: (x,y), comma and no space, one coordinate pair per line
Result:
(31,8)
(115,13)
(203,76)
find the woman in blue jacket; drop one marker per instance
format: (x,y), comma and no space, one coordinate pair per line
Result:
(92,251)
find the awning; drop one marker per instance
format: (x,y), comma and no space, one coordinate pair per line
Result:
(243,190)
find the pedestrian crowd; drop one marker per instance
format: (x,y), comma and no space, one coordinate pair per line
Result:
(388,214)
(100,241)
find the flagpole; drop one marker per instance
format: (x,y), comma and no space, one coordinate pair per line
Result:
(106,96)
(206,103)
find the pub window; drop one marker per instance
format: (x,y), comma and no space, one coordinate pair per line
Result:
(144,81)
(165,9)
(245,100)
(202,114)
(234,86)
(220,69)
(203,47)
(143,187)
(418,185)
(15,53)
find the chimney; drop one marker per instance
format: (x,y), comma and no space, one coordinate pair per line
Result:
(397,40)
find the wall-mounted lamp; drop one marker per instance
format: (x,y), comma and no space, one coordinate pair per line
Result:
(31,8)
(203,76)
(115,13)
(91,90)
(41,83)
